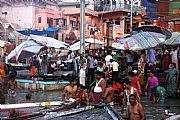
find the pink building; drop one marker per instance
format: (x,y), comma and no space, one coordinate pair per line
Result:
(112,23)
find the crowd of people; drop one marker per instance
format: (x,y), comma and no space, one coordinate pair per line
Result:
(124,76)
(109,77)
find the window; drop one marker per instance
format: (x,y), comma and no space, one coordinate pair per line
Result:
(57,21)
(50,22)
(72,23)
(117,22)
(64,22)
(39,19)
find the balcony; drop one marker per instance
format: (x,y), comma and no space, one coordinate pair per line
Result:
(104,7)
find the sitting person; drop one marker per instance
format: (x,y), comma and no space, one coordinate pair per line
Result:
(81,96)
(70,90)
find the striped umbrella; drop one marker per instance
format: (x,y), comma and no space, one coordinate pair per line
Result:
(144,40)
(174,39)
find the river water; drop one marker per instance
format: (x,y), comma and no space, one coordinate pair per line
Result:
(152,111)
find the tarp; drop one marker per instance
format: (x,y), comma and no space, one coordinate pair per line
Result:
(49,29)
(48,41)
(38,32)
(24,50)
(76,46)
(34,45)
(92,41)
(71,41)
(144,40)
(175,39)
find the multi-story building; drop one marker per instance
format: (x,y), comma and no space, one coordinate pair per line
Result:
(31,14)
(168,14)
(115,16)
(174,10)
(104,18)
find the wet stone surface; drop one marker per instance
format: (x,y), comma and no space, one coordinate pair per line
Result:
(94,114)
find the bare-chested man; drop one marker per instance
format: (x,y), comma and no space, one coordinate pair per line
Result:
(127,92)
(135,110)
(70,90)
(81,96)
(109,93)
(12,86)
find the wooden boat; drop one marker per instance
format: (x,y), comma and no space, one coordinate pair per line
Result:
(33,110)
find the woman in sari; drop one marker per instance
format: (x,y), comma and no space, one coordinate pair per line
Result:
(171,79)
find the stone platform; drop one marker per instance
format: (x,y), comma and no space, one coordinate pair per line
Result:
(41,85)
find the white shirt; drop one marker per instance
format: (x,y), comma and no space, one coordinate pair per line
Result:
(174,55)
(98,89)
(107,59)
(114,66)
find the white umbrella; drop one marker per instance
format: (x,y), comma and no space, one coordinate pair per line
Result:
(76,46)
(92,41)
(48,41)
(29,47)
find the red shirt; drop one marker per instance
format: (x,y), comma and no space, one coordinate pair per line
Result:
(117,86)
(134,82)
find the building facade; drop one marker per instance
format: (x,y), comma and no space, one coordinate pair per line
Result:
(105,19)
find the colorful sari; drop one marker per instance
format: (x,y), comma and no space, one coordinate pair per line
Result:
(172,86)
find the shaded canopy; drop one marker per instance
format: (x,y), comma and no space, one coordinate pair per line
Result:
(76,46)
(34,45)
(92,41)
(149,28)
(48,41)
(24,50)
(144,40)
(175,39)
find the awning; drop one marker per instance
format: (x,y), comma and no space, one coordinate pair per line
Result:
(49,29)
(76,46)
(38,32)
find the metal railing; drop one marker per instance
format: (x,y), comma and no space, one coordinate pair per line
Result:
(104,7)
